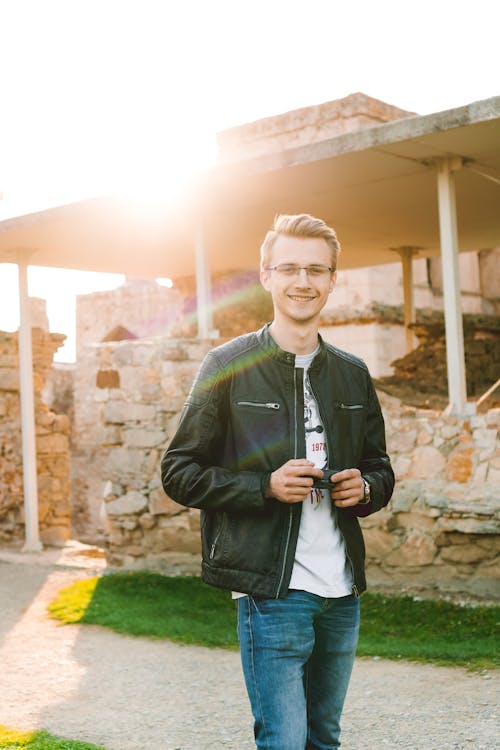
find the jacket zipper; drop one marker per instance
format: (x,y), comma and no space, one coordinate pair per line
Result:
(212,549)
(340,405)
(268,405)
(290,517)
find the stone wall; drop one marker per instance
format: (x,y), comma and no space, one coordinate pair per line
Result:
(441,529)
(52,445)
(128,396)
(141,308)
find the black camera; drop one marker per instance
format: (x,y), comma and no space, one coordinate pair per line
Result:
(324,483)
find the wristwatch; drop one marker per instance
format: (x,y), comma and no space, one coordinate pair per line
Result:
(367,494)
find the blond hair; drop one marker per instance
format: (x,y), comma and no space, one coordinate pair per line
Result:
(299,225)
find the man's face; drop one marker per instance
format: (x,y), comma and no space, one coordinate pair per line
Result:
(300,297)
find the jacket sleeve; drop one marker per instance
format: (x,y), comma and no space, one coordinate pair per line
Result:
(190,468)
(375,464)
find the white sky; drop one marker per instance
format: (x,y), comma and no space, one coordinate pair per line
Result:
(105,95)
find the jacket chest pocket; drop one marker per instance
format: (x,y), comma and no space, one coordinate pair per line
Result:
(259,433)
(349,429)
(342,407)
(257,406)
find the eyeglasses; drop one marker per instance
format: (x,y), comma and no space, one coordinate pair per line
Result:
(292,269)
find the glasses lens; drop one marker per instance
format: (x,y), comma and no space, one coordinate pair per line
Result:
(288,269)
(317,270)
(291,269)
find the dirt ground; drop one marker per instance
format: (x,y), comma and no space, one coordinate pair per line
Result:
(88,683)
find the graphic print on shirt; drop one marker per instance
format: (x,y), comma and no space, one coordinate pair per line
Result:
(315,437)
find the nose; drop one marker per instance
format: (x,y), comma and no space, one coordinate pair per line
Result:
(302,276)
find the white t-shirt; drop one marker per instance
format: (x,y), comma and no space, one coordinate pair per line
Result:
(321,565)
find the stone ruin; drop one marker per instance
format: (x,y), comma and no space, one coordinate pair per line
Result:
(52,445)
(440,530)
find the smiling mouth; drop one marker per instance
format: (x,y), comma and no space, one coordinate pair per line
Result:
(301,298)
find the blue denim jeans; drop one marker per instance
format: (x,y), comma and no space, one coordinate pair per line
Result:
(297,655)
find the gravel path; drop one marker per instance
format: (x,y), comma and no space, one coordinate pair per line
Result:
(87,683)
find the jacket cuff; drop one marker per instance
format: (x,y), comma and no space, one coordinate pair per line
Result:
(264,484)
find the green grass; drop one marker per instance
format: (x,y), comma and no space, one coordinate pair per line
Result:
(147,604)
(430,631)
(187,611)
(11,739)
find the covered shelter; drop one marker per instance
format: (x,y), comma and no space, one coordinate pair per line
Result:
(425,185)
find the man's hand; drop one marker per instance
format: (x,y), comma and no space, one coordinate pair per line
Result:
(292,482)
(349,488)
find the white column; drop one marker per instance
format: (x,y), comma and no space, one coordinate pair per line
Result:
(406,254)
(32,543)
(457,391)
(203,287)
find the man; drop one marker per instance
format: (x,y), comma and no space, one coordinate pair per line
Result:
(268,412)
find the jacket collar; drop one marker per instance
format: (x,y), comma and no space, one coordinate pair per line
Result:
(276,352)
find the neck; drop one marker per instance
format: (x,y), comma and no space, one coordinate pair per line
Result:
(296,339)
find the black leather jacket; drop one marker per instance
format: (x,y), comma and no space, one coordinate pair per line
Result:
(242,420)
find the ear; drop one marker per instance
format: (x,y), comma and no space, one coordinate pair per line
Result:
(333,280)
(265,278)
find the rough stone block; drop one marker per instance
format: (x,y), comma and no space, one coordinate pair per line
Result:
(459,465)
(469,525)
(120,412)
(147,521)
(478,505)
(494,476)
(175,352)
(9,379)
(450,431)
(144,438)
(151,465)
(151,392)
(401,466)
(418,549)
(424,438)
(55,536)
(135,550)
(124,462)
(493,418)
(466,554)
(481,472)
(173,395)
(145,355)
(180,540)
(416,521)
(53,443)
(378,543)
(404,497)
(194,519)
(404,440)
(426,462)
(108,435)
(129,524)
(131,502)
(485,438)
(122,355)
(490,542)
(162,504)
(107,379)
